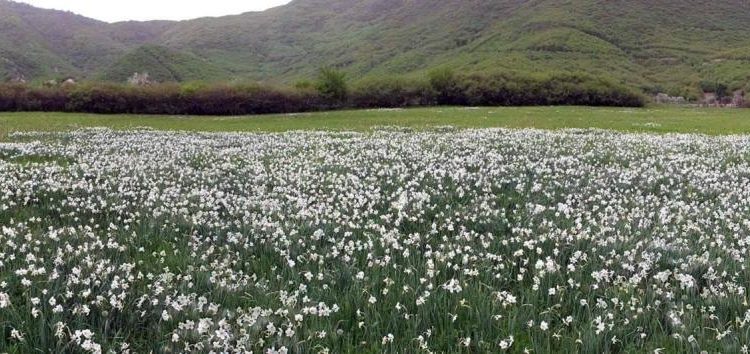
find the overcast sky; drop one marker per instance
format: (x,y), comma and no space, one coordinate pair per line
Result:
(141,10)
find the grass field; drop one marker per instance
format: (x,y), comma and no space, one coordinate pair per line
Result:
(655,119)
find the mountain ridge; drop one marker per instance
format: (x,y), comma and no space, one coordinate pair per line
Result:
(664,45)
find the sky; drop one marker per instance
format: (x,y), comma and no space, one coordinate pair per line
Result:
(143,10)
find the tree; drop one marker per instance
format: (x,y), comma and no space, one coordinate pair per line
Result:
(331,84)
(719,88)
(445,84)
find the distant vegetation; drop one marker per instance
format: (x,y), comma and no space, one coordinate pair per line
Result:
(163,65)
(332,86)
(329,91)
(160,99)
(665,46)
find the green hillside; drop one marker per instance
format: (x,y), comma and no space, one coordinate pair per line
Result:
(658,45)
(163,65)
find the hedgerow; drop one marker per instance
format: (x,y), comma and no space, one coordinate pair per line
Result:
(441,88)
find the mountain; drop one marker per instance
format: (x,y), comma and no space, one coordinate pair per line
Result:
(670,45)
(40,43)
(163,65)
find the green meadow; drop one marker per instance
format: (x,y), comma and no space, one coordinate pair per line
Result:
(655,119)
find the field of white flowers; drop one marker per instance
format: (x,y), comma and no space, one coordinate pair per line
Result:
(390,241)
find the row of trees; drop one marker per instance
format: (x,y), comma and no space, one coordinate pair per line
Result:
(445,87)
(331,90)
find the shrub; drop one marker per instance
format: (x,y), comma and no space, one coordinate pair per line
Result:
(18,97)
(10,97)
(505,89)
(719,88)
(332,85)
(445,83)
(392,92)
(443,87)
(304,85)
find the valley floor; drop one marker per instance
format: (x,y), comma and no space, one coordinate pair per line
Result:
(660,119)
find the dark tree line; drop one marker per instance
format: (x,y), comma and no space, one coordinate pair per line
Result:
(330,91)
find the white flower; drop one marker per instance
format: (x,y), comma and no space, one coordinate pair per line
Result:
(544,325)
(249,237)
(506,343)
(452,286)
(15,334)
(686,281)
